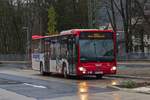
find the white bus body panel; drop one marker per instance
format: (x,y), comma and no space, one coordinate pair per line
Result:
(36,59)
(53,66)
(56,65)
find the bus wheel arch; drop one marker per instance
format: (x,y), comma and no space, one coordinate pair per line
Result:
(64,70)
(41,69)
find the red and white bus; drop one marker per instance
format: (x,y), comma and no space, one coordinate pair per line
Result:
(76,52)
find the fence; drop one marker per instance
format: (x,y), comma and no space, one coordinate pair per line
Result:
(13,57)
(123,56)
(134,56)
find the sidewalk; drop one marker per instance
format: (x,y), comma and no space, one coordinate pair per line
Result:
(13,62)
(7,95)
(133,69)
(133,72)
(119,95)
(141,62)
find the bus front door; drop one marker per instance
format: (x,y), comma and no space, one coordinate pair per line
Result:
(71,56)
(47,57)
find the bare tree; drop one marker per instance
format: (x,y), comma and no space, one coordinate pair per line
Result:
(131,12)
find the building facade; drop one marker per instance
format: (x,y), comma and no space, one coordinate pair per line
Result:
(142,39)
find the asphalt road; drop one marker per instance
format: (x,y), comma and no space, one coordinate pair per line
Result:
(41,89)
(30,83)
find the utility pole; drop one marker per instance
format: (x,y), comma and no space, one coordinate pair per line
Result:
(92,12)
(89,13)
(28,46)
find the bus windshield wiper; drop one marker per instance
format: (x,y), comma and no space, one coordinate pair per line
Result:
(95,50)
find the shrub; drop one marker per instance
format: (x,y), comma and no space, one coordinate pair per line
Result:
(129,84)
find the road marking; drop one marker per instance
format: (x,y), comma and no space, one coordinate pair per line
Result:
(37,86)
(142,89)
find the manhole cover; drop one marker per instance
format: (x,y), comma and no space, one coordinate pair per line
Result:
(5,82)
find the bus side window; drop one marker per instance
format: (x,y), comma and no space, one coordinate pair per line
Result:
(57,48)
(53,50)
(35,50)
(63,47)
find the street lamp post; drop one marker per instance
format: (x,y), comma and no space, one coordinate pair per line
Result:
(28,46)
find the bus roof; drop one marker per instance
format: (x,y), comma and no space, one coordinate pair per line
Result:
(73,31)
(35,37)
(69,32)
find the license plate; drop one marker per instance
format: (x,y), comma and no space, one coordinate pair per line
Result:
(99,72)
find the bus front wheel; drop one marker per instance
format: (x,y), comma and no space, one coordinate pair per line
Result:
(65,71)
(41,69)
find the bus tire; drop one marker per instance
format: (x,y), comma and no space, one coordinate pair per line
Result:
(41,69)
(65,71)
(99,76)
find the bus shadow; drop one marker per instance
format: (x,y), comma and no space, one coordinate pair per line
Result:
(72,77)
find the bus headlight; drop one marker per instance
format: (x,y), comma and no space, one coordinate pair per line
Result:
(114,68)
(82,69)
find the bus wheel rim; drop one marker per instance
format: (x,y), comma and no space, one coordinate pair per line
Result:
(41,68)
(65,72)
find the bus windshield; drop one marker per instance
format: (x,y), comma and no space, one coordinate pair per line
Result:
(96,49)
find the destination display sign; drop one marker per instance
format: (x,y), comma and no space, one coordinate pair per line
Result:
(96,35)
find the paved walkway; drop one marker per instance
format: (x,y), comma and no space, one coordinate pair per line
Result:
(7,95)
(107,96)
(143,72)
(119,95)
(133,69)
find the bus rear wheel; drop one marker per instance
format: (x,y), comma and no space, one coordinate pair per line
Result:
(41,69)
(65,72)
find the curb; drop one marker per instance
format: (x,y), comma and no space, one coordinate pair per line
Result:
(127,90)
(128,76)
(10,95)
(143,92)
(13,62)
(113,87)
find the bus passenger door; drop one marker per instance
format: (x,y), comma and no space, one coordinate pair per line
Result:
(47,56)
(71,55)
